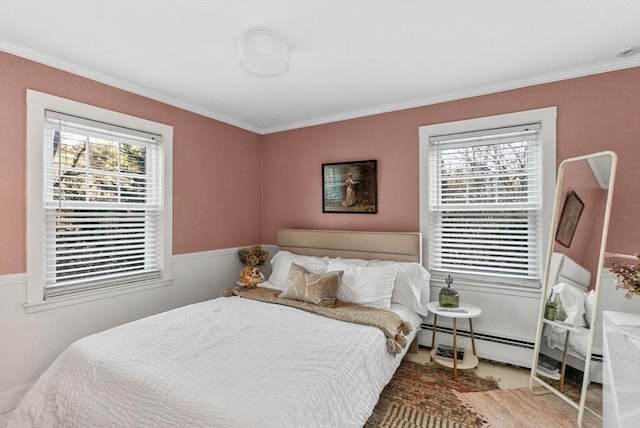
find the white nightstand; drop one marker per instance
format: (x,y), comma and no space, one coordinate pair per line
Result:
(470,360)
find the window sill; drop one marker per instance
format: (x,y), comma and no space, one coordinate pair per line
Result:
(90,296)
(486,285)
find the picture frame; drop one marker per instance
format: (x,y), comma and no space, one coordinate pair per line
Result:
(571,212)
(350,187)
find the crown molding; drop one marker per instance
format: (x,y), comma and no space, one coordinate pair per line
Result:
(614,65)
(604,67)
(54,62)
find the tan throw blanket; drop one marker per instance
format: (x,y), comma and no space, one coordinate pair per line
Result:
(389,322)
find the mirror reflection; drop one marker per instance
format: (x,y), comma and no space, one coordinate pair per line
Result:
(569,343)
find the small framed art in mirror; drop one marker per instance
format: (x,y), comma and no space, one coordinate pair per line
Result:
(571,212)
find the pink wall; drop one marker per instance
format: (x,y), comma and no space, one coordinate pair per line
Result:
(217,198)
(598,112)
(220,201)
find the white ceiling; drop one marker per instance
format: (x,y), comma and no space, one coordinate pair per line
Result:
(348,58)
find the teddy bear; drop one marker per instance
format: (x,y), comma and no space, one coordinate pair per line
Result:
(250,277)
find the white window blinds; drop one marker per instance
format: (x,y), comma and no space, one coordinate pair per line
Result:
(485,202)
(103,204)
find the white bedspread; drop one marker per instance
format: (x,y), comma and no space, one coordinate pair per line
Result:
(227,362)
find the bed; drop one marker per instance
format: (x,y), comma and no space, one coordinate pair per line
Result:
(239,362)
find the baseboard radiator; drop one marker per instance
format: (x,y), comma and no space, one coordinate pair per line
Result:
(522,347)
(481,336)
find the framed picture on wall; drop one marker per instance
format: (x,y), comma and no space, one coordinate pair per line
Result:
(350,187)
(571,212)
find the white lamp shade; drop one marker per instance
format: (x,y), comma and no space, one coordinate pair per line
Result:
(263,53)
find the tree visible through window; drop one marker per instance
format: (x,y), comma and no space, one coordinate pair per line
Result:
(485,202)
(99,203)
(102,201)
(486,197)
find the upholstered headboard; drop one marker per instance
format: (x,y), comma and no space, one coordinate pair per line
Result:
(397,246)
(564,269)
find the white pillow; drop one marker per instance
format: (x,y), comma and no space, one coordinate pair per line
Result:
(572,301)
(589,302)
(281,263)
(411,287)
(369,286)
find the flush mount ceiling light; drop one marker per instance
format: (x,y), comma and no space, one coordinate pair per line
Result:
(264,54)
(626,52)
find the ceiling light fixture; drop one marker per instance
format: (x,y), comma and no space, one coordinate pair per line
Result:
(631,50)
(264,54)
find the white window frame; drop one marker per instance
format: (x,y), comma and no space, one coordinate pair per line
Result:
(37,104)
(547,118)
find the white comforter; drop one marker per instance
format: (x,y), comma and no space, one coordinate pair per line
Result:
(227,362)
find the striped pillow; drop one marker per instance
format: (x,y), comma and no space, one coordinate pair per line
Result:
(320,289)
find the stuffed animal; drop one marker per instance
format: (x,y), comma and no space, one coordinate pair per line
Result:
(250,276)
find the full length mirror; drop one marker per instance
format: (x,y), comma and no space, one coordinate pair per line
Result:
(568,352)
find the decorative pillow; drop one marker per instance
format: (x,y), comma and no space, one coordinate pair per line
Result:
(281,263)
(320,289)
(411,287)
(369,286)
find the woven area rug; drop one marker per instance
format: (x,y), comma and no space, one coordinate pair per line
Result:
(521,408)
(425,395)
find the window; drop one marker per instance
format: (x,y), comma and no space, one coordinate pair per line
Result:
(482,196)
(98,199)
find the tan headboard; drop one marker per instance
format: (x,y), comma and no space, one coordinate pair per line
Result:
(398,246)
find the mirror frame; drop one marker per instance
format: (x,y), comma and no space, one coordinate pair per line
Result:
(534,379)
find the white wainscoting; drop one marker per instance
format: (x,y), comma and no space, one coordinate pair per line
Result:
(29,342)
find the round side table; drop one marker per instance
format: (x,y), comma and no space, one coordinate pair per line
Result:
(467,311)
